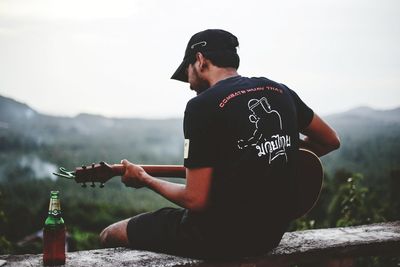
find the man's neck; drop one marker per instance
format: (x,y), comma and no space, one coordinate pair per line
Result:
(219,74)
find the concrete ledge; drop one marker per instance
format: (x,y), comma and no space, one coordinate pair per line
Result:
(295,247)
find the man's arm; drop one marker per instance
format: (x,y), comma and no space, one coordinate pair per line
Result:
(193,196)
(320,138)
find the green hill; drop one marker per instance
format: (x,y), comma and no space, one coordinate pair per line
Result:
(370,142)
(86,138)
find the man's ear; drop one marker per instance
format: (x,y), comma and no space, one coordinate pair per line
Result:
(203,62)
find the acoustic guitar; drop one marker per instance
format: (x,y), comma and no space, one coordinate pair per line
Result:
(308,181)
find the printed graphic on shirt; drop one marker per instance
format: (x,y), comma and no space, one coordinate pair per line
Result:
(186,149)
(267,137)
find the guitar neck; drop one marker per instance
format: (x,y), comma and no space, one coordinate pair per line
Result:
(174,171)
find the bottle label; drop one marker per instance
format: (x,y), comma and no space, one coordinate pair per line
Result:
(54,207)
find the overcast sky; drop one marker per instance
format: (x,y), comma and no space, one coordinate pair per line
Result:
(115,58)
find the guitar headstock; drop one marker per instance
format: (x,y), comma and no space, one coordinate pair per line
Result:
(99,173)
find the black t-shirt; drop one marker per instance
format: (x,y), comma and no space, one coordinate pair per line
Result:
(247,130)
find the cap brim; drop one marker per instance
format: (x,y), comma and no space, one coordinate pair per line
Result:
(180,73)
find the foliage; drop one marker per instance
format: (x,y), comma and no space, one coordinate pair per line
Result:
(351,200)
(5,245)
(351,203)
(84,240)
(85,211)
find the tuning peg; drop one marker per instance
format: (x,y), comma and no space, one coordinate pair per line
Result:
(93,165)
(102,163)
(84,185)
(101,185)
(84,167)
(93,185)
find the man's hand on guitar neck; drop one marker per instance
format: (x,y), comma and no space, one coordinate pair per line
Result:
(133,175)
(194,195)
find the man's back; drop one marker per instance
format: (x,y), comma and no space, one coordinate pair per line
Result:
(247,129)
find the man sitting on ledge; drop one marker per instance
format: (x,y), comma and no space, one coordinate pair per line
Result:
(241,140)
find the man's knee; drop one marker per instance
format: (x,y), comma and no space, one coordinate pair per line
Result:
(115,235)
(104,237)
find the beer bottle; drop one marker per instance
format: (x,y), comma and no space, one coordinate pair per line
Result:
(54,234)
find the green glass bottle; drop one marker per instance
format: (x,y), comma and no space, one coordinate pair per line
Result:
(54,233)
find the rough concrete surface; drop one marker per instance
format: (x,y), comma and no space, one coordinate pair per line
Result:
(301,246)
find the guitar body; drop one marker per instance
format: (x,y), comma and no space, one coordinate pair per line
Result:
(308,180)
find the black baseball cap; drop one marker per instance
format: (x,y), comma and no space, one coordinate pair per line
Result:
(205,41)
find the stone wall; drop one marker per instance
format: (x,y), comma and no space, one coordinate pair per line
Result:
(321,245)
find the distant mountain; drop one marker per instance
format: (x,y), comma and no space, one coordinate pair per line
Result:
(85,138)
(11,110)
(19,116)
(370,138)
(370,142)
(367,113)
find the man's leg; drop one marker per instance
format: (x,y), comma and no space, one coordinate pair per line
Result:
(115,235)
(155,231)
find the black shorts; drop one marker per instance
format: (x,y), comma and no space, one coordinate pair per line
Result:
(156,231)
(168,230)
